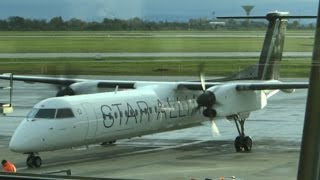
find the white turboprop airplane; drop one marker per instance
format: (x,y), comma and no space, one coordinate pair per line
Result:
(150,107)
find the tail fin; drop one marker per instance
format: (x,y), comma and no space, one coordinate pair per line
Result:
(271,54)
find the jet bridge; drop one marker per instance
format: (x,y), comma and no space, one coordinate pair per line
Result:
(6,96)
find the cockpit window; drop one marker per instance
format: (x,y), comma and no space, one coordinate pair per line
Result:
(46,113)
(50,113)
(64,113)
(32,113)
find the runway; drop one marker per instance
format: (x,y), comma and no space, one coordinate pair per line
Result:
(182,154)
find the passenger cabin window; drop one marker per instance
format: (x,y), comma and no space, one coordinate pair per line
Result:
(46,113)
(64,113)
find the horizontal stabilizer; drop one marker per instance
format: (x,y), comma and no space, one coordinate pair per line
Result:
(265,17)
(270,16)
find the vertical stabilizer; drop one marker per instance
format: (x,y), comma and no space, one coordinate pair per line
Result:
(271,54)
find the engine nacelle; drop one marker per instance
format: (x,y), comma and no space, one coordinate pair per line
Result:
(229,101)
(86,87)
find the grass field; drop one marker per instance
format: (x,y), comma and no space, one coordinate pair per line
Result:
(168,41)
(45,42)
(290,67)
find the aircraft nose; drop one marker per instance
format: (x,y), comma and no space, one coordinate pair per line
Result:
(17,144)
(14,145)
(22,140)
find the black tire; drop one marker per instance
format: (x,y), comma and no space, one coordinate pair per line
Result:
(247,143)
(37,162)
(29,162)
(238,144)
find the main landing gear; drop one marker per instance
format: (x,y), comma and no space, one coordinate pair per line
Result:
(242,142)
(34,160)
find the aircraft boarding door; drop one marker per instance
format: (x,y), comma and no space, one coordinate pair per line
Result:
(92,120)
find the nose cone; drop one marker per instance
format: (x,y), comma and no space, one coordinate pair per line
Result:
(16,145)
(24,139)
(19,141)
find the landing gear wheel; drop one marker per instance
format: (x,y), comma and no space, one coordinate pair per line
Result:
(33,161)
(242,142)
(247,143)
(37,161)
(29,162)
(237,144)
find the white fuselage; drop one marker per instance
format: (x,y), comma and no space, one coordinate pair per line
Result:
(104,117)
(69,121)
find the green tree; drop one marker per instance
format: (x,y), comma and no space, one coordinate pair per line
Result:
(16,23)
(75,24)
(3,25)
(57,23)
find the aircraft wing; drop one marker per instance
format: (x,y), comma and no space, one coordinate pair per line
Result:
(69,81)
(196,85)
(240,86)
(272,86)
(47,80)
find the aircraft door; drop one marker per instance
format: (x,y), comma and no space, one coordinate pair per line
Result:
(92,120)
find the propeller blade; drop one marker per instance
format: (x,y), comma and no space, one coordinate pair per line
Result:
(214,128)
(202,77)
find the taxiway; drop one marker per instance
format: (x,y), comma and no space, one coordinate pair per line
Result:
(183,154)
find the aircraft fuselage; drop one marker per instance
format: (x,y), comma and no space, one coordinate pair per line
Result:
(105,117)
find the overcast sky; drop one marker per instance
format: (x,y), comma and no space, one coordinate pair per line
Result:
(124,9)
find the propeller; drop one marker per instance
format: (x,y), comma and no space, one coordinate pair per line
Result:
(214,128)
(207,99)
(202,77)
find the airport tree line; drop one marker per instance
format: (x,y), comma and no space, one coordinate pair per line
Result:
(17,23)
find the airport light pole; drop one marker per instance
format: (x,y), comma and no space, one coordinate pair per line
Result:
(309,163)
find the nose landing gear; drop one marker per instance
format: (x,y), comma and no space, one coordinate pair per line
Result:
(34,160)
